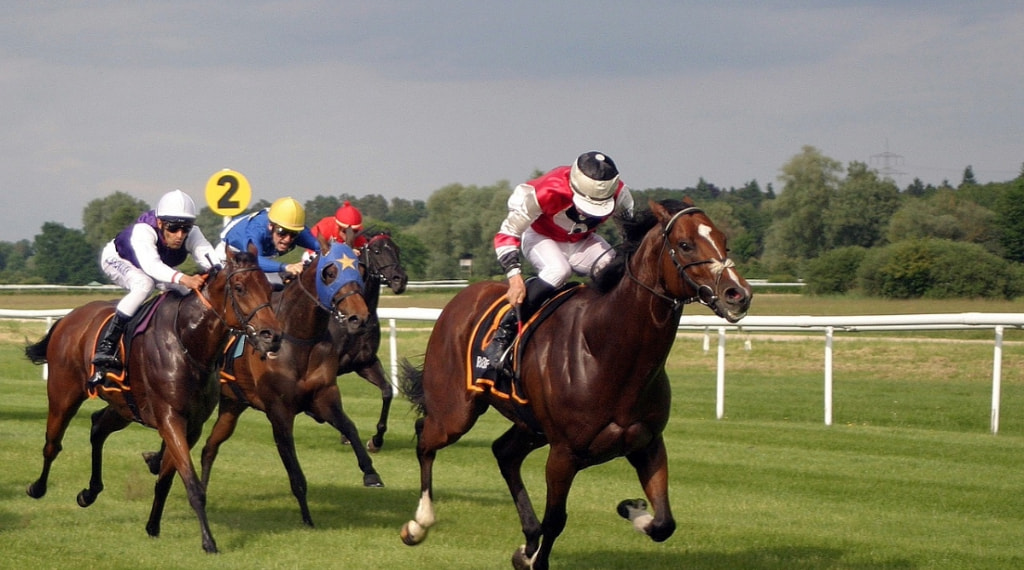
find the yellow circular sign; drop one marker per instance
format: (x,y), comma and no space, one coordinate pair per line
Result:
(228,193)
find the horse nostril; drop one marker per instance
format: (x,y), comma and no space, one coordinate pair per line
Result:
(734,295)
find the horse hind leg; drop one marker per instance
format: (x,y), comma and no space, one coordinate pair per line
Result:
(510,450)
(434,432)
(104,422)
(66,395)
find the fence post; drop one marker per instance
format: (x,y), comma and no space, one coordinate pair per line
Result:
(720,391)
(828,375)
(997,373)
(394,353)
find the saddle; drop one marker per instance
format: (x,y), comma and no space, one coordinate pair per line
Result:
(119,382)
(481,375)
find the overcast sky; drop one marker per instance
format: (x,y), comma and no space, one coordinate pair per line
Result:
(401,98)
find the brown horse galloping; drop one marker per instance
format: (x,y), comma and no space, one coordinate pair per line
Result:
(169,369)
(302,378)
(593,372)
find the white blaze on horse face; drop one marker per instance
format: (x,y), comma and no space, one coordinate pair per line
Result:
(717,267)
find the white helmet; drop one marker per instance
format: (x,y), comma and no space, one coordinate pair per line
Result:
(176,206)
(594,180)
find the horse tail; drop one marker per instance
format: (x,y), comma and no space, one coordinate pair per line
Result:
(410,383)
(37,352)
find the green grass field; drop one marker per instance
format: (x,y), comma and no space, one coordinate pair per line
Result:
(907,477)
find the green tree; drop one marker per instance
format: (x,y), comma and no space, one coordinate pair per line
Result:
(1010,221)
(104,218)
(406,213)
(859,212)
(63,257)
(968,179)
(461,221)
(320,207)
(810,180)
(944,215)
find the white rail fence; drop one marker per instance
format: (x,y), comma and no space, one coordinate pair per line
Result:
(828,326)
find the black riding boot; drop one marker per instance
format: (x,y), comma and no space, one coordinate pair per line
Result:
(106,359)
(537,291)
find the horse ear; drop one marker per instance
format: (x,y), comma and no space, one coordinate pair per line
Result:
(688,202)
(325,246)
(350,237)
(659,211)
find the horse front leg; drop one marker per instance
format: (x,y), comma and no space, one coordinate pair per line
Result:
(227,420)
(327,405)
(177,458)
(511,450)
(651,464)
(282,423)
(104,422)
(560,471)
(374,374)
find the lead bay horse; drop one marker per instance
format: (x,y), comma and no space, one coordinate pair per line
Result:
(170,371)
(593,374)
(302,378)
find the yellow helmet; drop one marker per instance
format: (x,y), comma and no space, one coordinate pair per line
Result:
(288,213)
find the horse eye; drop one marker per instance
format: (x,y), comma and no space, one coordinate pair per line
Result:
(685,246)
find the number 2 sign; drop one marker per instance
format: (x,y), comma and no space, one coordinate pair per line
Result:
(228,193)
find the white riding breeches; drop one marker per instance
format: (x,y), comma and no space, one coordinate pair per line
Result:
(557,261)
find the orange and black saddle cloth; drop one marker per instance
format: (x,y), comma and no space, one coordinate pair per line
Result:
(481,375)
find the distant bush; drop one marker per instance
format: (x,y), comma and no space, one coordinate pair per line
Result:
(939,269)
(834,272)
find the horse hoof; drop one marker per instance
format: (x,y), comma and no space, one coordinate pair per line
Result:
(345,441)
(413,533)
(85,498)
(372,480)
(373,447)
(631,504)
(152,461)
(35,490)
(520,561)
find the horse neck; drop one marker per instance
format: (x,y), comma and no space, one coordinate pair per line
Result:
(201,327)
(371,290)
(299,312)
(653,314)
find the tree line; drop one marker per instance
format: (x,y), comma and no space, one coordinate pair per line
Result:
(838,228)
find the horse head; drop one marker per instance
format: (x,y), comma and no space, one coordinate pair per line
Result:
(339,286)
(240,293)
(383,261)
(695,262)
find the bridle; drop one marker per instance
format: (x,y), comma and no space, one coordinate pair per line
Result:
(704,294)
(246,327)
(370,261)
(333,310)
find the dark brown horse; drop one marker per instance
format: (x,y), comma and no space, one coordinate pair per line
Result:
(303,376)
(169,370)
(380,261)
(593,374)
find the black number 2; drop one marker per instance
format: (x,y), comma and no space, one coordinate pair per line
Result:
(226,202)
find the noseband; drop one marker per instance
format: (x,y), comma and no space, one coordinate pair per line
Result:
(243,319)
(704,294)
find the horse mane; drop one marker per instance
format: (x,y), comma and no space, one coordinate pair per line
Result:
(633,229)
